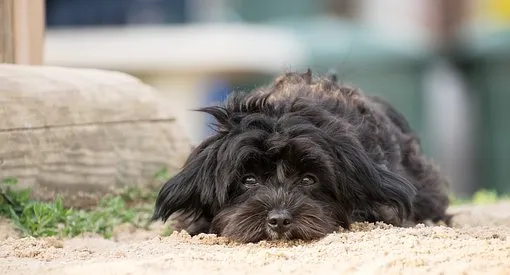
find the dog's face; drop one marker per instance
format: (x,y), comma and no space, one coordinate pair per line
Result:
(282,171)
(281,186)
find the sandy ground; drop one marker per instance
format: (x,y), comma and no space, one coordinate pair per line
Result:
(478,244)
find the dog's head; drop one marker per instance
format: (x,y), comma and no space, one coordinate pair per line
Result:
(279,170)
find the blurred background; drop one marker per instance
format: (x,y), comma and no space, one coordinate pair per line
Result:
(444,64)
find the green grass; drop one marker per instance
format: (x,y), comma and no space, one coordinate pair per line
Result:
(482,196)
(40,219)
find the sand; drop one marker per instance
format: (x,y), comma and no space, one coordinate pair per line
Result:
(479,243)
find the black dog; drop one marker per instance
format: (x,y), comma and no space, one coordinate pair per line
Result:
(297,160)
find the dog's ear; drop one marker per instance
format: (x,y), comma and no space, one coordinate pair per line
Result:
(393,190)
(191,191)
(181,192)
(200,185)
(375,184)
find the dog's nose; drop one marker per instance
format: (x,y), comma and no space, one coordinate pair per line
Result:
(279,220)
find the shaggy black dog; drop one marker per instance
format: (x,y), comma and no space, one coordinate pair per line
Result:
(297,160)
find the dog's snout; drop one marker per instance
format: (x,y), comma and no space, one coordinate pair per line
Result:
(279,220)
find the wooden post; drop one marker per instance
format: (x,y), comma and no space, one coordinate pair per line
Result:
(450,15)
(22,25)
(6,39)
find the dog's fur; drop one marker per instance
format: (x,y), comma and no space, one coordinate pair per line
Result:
(318,154)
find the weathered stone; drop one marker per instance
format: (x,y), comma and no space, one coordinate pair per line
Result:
(83,133)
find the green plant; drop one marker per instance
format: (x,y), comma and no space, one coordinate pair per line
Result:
(38,219)
(167,232)
(482,196)
(12,201)
(162,174)
(458,201)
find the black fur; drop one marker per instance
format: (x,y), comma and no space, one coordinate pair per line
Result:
(322,154)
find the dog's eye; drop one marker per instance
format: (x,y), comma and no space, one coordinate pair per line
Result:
(250,181)
(308,180)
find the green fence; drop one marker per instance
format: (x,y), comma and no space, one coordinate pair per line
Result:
(485,61)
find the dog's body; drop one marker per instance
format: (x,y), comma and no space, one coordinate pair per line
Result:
(298,159)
